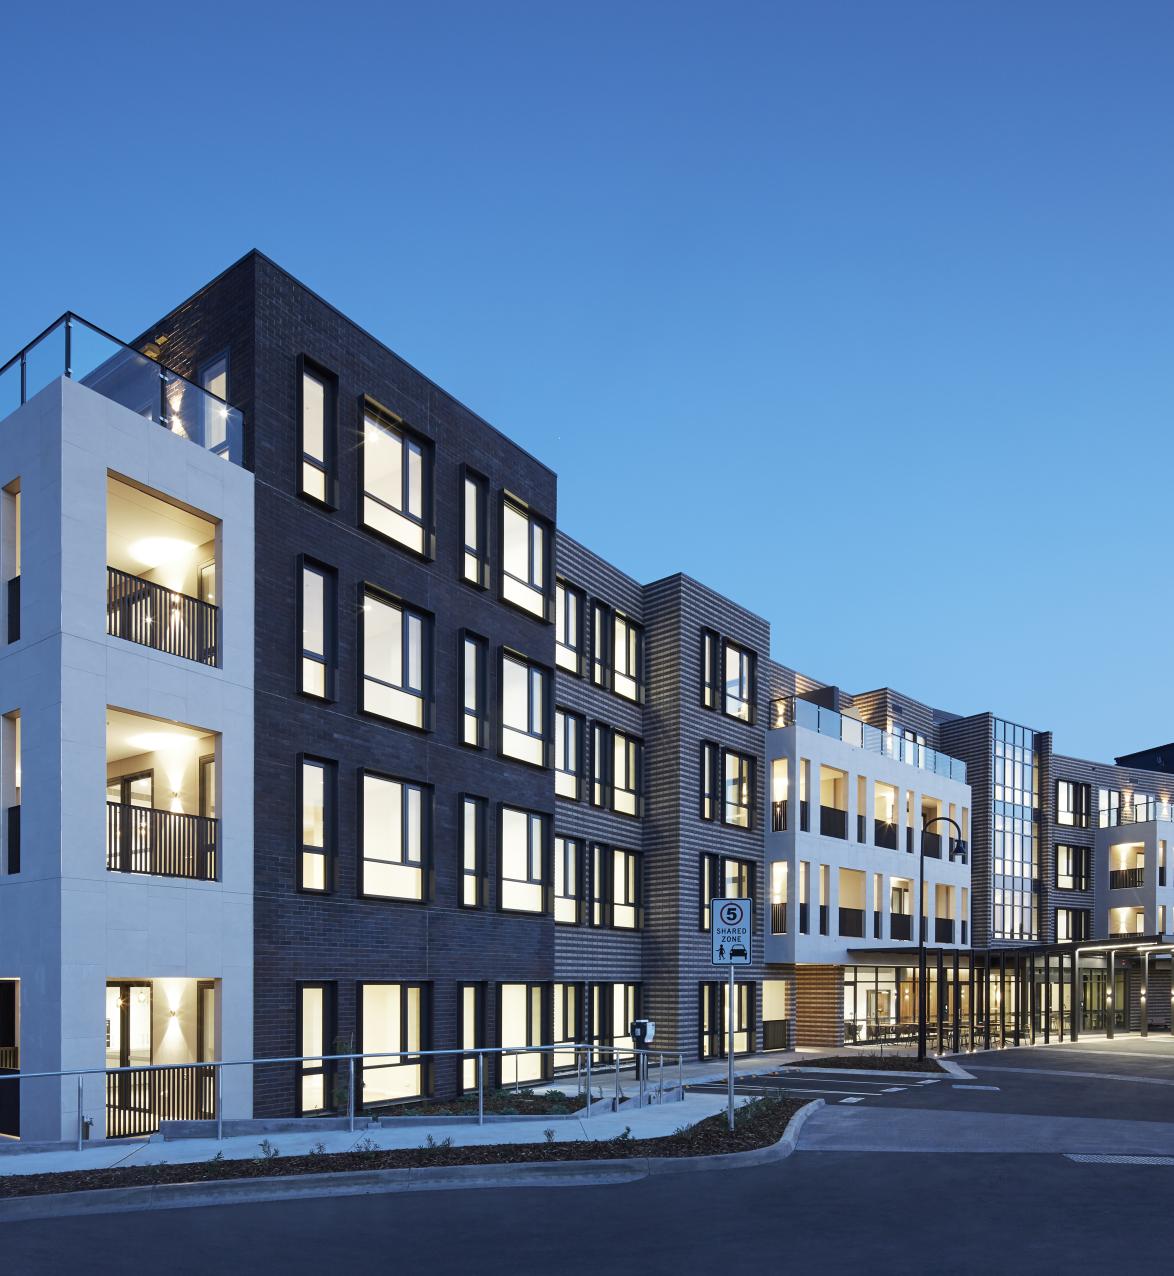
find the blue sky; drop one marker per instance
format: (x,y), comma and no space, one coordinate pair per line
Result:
(859,312)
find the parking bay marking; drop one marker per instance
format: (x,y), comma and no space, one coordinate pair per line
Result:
(974,1087)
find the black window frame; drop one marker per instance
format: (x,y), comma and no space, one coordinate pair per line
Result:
(479,1027)
(408,1059)
(477,871)
(575,665)
(329,656)
(427,628)
(546,590)
(634,632)
(750,657)
(577,879)
(394,423)
(752,797)
(329,849)
(711,653)
(1081,795)
(1080,857)
(479,713)
(546,717)
(710,793)
(546,879)
(572,723)
(328,465)
(601,644)
(480,555)
(711,879)
(427,823)
(329,1027)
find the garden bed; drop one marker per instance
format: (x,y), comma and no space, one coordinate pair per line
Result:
(757,1124)
(877,1062)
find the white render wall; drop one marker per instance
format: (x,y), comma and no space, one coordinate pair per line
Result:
(795,743)
(67,925)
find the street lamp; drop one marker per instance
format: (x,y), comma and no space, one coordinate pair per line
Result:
(921,972)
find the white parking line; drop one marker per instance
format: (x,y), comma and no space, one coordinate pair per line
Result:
(893,1089)
(856,1100)
(974,1087)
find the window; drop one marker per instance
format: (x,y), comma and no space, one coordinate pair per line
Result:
(395,660)
(601,644)
(714,1021)
(474,716)
(613,1007)
(525,734)
(568,754)
(475,563)
(568,879)
(568,628)
(739,790)
(472,852)
(318,613)
(316,1004)
(395,833)
(710,654)
(739,683)
(318,780)
(566,1024)
(391,1018)
(723,877)
(625,776)
(317,414)
(525,548)
(472,1032)
(1108,808)
(521,1021)
(396,481)
(628,658)
(1072,868)
(1071,923)
(616,888)
(523,885)
(1072,803)
(710,755)
(213,377)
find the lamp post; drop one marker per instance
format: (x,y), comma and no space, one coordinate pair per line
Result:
(921,921)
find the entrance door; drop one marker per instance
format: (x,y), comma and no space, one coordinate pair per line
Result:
(129,832)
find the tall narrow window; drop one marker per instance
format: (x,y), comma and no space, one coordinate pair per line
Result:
(710,755)
(472,852)
(472,1033)
(710,655)
(568,857)
(739,789)
(1072,803)
(723,877)
(474,718)
(523,884)
(601,644)
(10,558)
(739,683)
(317,415)
(475,520)
(10,790)
(395,664)
(316,1038)
(396,479)
(395,838)
(525,734)
(600,764)
(568,628)
(628,658)
(392,1019)
(625,773)
(566,1024)
(568,754)
(1108,808)
(318,612)
(525,550)
(521,1021)
(213,377)
(317,803)
(626,890)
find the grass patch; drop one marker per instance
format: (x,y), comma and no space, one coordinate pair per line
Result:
(504,1102)
(887,1062)
(757,1124)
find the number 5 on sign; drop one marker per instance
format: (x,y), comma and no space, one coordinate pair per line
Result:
(729,932)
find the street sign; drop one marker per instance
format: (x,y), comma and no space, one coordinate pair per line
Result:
(729,932)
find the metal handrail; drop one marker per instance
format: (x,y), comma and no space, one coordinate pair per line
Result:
(478,1052)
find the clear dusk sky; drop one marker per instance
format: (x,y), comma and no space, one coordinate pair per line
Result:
(860,312)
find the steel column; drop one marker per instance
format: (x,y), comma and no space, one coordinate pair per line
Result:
(1110,993)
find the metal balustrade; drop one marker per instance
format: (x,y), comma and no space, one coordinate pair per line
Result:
(142,839)
(778,816)
(1126,878)
(138,1099)
(851,923)
(900,926)
(833,822)
(144,612)
(778,919)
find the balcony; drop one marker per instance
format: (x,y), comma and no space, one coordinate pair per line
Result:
(833,822)
(884,835)
(138,1100)
(778,816)
(1121,879)
(143,612)
(931,845)
(167,843)
(943,930)
(73,348)
(900,926)
(793,711)
(852,923)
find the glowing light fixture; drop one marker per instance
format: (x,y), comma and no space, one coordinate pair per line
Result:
(161,551)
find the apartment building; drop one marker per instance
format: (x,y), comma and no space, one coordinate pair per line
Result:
(392,764)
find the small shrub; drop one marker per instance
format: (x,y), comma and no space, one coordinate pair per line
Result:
(548,1134)
(364,1144)
(626,1137)
(431,1143)
(268,1150)
(319,1149)
(218,1157)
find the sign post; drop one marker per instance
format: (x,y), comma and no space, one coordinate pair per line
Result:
(729,933)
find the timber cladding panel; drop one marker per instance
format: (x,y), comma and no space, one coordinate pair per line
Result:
(819,1006)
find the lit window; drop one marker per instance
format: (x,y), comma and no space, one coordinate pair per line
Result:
(524,733)
(472,852)
(710,758)
(628,652)
(473,714)
(393,483)
(1108,808)
(568,754)
(568,628)
(723,877)
(523,861)
(317,673)
(392,1020)
(625,774)
(316,1032)
(394,661)
(318,398)
(524,552)
(1072,868)
(567,879)
(625,890)
(476,530)
(472,1033)
(710,654)
(317,801)
(739,683)
(521,1021)
(601,644)
(213,377)
(394,838)
(739,786)
(1072,803)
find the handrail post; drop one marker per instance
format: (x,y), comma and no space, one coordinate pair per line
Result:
(80,1119)
(219,1102)
(660,1081)
(681,1075)
(615,1058)
(588,1083)
(481,1088)
(350,1103)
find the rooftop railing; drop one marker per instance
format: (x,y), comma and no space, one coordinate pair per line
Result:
(790,711)
(75,348)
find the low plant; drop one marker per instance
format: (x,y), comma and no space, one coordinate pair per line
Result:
(269,1151)
(548,1134)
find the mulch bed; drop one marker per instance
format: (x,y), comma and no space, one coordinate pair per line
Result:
(887,1062)
(499,1103)
(757,1125)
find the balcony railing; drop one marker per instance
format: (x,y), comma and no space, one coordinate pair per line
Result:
(931,845)
(138,1099)
(776,1034)
(1126,934)
(9,1058)
(778,816)
(943,930)
(900,926)
(14,609)
(143,612)
(1126,878)
(73,348)
(13,838)
(778,919)
(141,839)
(804,816)
(833,822)
(884,835)
(791,711)
(804,919)
(852,923)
